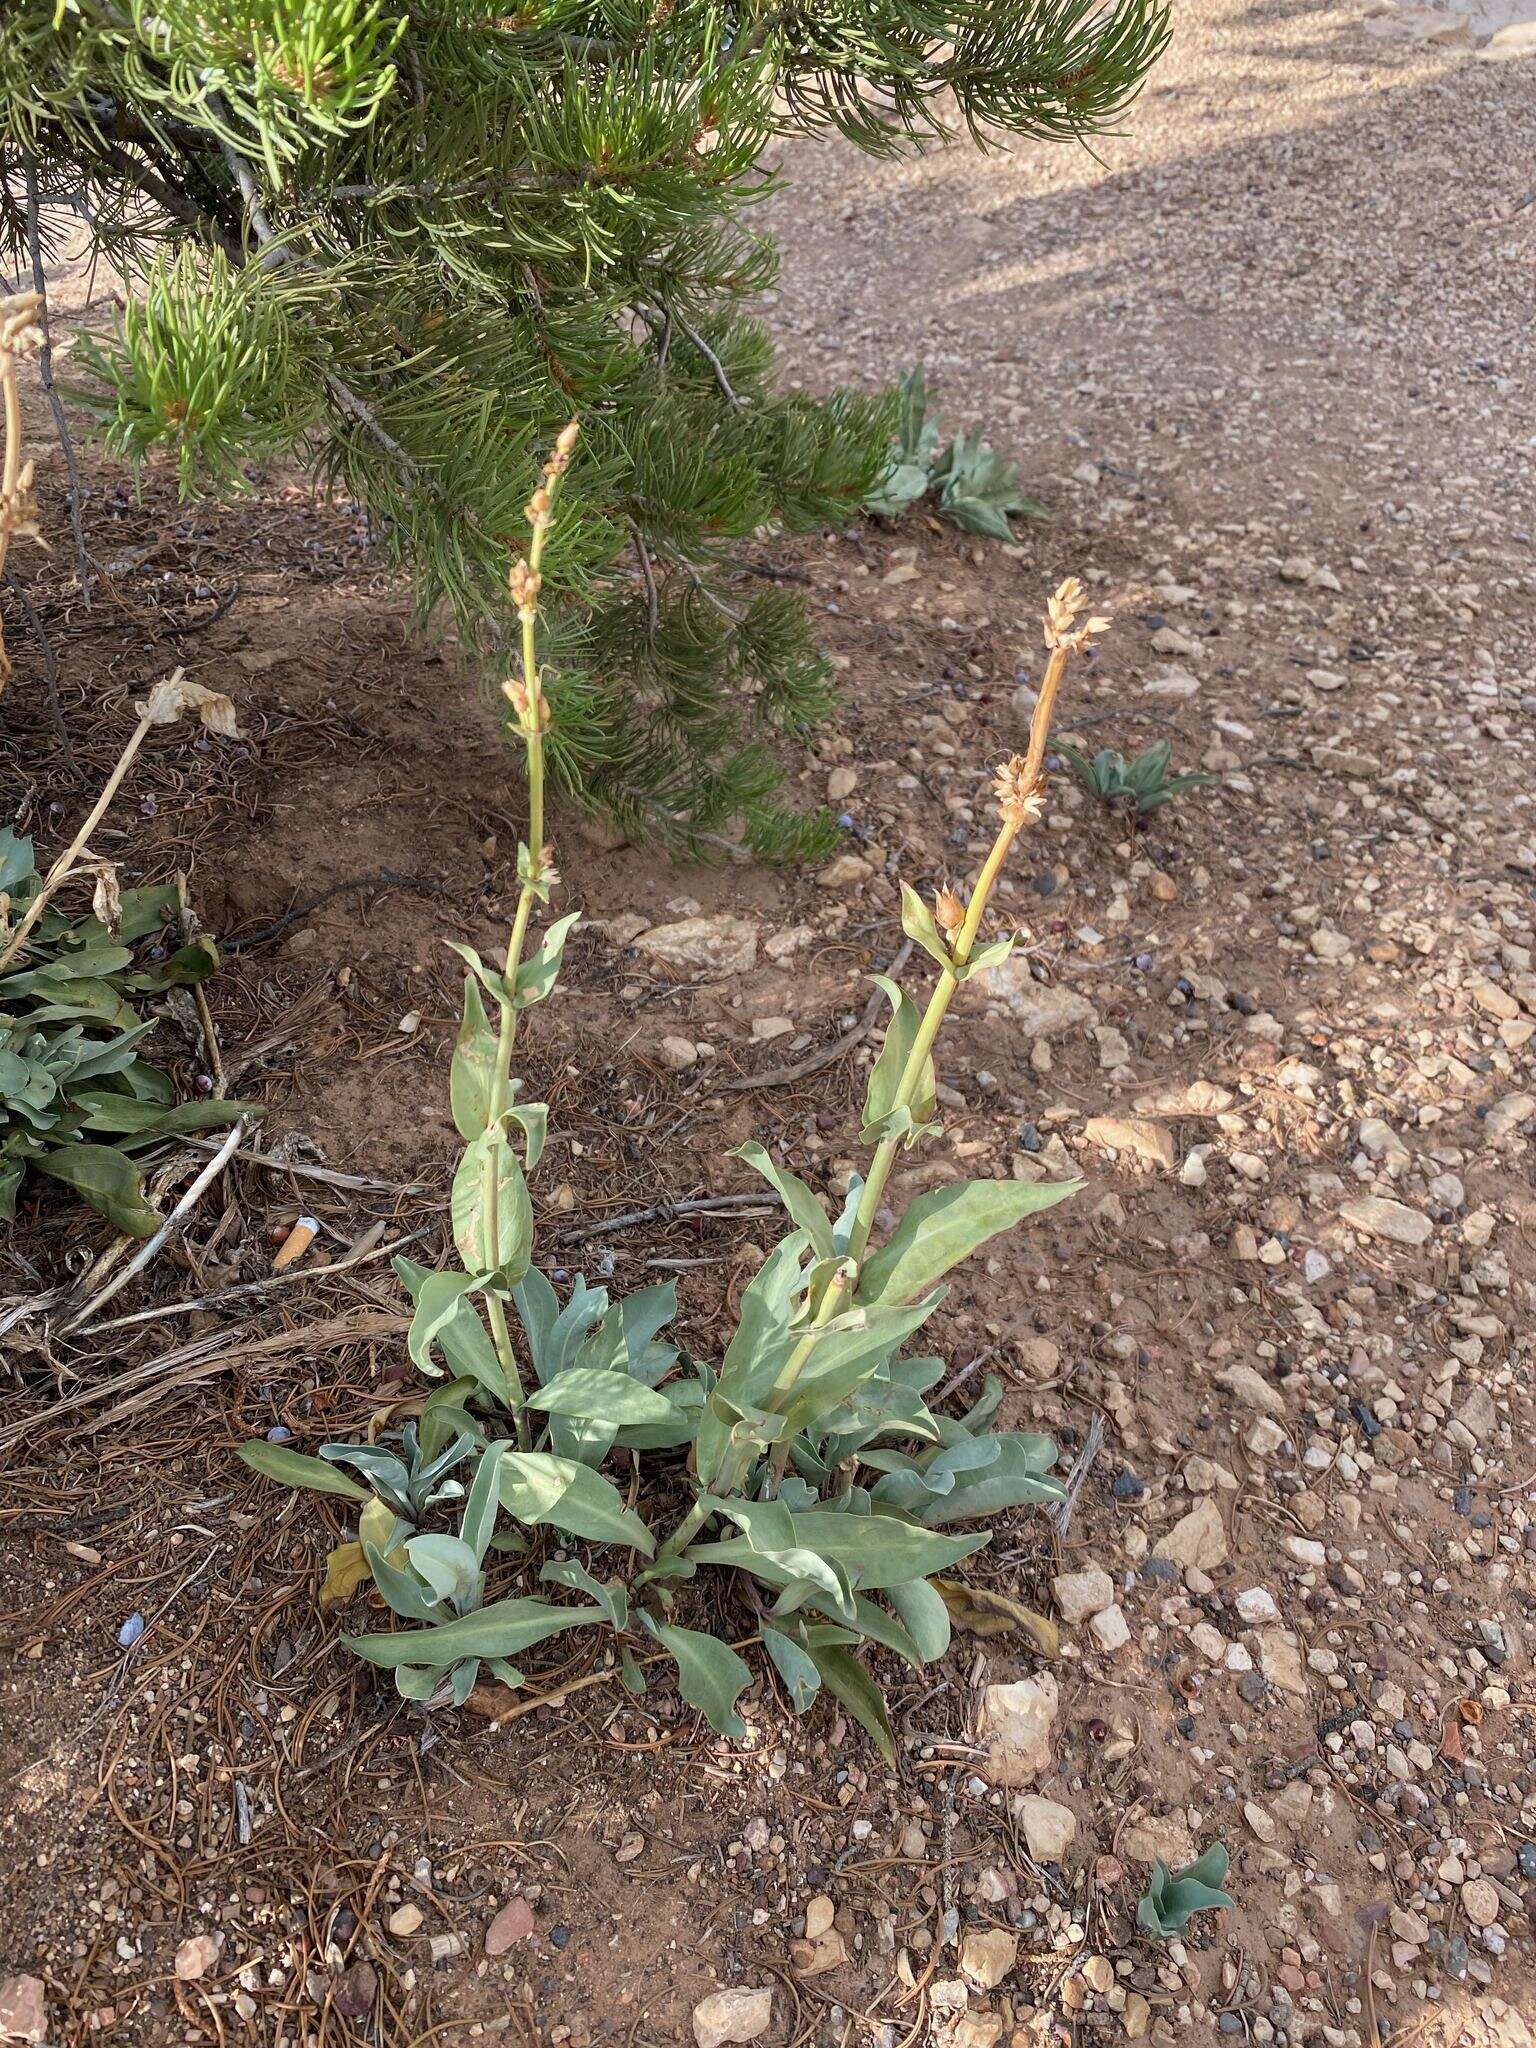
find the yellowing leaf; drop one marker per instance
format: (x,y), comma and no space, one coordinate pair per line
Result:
(981,1612)
(346,1568)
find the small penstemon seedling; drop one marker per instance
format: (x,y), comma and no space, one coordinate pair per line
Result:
(1141,785)
(819,1475)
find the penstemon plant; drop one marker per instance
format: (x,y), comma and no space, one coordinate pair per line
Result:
(819,1476)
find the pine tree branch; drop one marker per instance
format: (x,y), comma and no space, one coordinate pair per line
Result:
(176,204)
(648,577)
(727,392)
(275,253)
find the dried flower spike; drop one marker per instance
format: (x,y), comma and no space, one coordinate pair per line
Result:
(18,508)
(1061,610)
(1020,792)
(20,328)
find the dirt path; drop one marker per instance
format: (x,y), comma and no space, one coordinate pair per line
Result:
(1270,364)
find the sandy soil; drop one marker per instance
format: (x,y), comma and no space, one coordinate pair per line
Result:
(1268,360)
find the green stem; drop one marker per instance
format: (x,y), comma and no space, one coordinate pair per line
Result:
(534,889)
(686,1529)
(965,939)
(922,1045)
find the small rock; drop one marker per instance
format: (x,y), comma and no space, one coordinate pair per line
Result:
(1196,1539)
(714,945)
(677,1053)
(1080,1595)
(1049,1828)
(814,1958)
(740,2014)
(1110,1630)
(1137,1135)
(1506,1117)
(1280,1661)
(1017,1722)
(1252,1389)
(355,1990)
(1480,1901)
(512,1924)
(1326,944)
(1293,1802)
(1257,1607)
(1379,1216)
(1038,1011)
(1261,1821)
(1169,640)
(846,872)
(23,2009)
(1498,1002)
(1159,1838)
(405,1919)
(841,784)
(1379,1139)
(1478,1415)
(1209,1641)
(196,1957)
(1098,1973)
(819,1915)
(987,1955)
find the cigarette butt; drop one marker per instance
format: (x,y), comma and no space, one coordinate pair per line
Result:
(296,1243)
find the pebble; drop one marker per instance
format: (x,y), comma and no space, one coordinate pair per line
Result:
(1049,1828)
(23,2009)
(1081,1594)
(1379,1216)
(197,1955)
(987,1956)
(514,1923)
(1017,1724)
(405,1919)
(1197,1539)
(1143,1139)
(1110,1630)
(1480,1901)
(740,2014)
(710,945)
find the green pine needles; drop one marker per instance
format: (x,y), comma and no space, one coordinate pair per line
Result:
(402,240)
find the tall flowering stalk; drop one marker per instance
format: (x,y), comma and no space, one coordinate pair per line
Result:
(535,867)
(900,1116)
(1020,792)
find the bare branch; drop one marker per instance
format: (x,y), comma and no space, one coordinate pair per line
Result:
(84,566)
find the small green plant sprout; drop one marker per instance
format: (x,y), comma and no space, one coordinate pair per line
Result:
(975,488)
(1172,1895)
(796,1491)
(1142,785)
